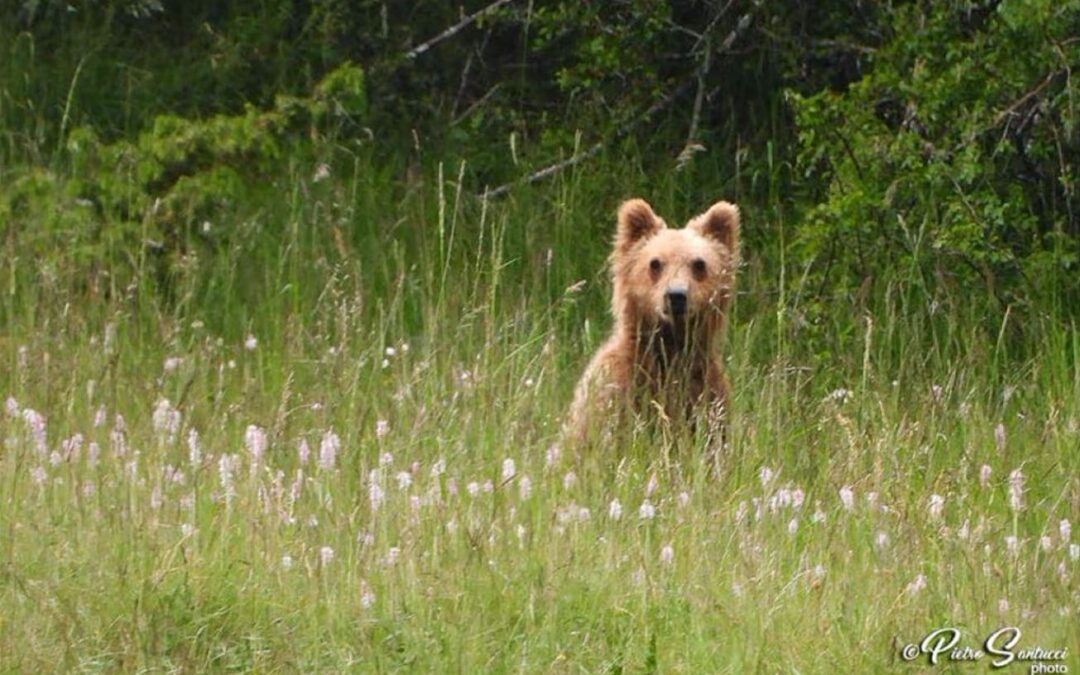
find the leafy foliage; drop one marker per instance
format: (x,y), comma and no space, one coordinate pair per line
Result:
(956,152)
(939,137)
(161,190)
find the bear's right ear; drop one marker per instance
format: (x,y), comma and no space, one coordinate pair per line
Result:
(637,221)
(720,223)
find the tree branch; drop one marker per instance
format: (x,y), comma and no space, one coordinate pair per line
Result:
(692,144)
(454,30)
(595,149)
(625,127)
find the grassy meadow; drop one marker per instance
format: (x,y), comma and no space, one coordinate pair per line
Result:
(336,449)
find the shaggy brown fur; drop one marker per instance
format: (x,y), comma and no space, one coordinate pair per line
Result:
(671,292)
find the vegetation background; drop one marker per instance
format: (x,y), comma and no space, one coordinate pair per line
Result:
(295,293)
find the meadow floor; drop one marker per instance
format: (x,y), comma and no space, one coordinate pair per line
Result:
(374,483)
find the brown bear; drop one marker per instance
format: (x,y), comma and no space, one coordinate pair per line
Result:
(672,288)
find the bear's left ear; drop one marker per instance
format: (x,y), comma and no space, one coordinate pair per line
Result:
(720,223)
(637,221)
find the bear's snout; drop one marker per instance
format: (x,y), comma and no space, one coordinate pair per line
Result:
(676,300)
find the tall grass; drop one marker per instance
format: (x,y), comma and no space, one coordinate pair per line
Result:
(335,446)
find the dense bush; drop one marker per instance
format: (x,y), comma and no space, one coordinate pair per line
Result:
(937,137)
(158,193)
(957,152)
(541,70)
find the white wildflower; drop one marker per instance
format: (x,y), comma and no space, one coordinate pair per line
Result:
(1016,490)
(650,487)
(367,597)
(916,585)
(392,555)
(329,446)
(797,497)
(551,456)
(382,428)
(838,395)
(255,443)
(326,555)
(438,468)
(35,422)
(375,491)
(936,506)
(166,419)
(194,448)
(226,467)
(615,509)
(72,446)
(847,497)
(964,532)
(508,469)
(646,511)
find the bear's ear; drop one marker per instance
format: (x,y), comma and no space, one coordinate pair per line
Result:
(636,222)
(720,223)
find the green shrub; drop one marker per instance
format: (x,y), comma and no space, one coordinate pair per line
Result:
(956,154)
(113,202)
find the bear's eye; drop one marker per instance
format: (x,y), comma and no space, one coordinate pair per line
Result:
(698,265)
(655,265)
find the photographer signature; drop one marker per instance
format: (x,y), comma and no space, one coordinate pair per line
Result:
(943,644)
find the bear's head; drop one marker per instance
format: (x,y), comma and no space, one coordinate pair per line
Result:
(674,277)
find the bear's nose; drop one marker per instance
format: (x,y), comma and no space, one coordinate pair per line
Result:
(676,301)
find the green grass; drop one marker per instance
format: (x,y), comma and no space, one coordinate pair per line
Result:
(137,561)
